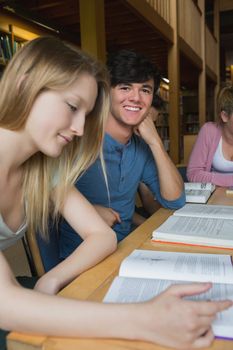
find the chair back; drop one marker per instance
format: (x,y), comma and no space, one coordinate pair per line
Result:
(44,254)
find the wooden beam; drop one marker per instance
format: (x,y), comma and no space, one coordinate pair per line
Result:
(226,5)
(29,29)
(202,75)
(145,11)
(190,53)
(174,88)
(32,25)
(44,5)
(217,35)
(92,28)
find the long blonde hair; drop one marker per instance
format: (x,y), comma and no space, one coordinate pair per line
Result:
(47,63)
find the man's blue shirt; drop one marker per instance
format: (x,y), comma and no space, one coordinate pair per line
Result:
(126,166)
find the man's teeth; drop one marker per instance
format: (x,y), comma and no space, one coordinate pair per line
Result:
(132,108)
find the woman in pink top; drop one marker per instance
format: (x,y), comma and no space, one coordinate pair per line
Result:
(211,159)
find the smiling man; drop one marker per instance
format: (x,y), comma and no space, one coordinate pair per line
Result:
(133,152)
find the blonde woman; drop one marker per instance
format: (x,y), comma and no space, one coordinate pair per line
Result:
(211,159)
(48,92)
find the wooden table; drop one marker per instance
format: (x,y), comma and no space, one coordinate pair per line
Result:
(93,285)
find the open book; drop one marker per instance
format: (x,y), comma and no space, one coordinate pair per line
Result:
(198,224)
(197,192)
(146,273)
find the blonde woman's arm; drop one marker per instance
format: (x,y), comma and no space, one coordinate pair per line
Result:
(187,325)
(99,240)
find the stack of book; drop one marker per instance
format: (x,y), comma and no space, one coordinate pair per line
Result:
(198,224)
(197,192)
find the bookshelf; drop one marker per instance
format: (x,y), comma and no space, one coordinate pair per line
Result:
(189,120)
(163,127)
(15,31)
(12,38)
(162,123)
(9,44)
(190,112)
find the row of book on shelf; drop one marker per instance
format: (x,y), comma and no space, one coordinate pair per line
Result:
(198,224)
(8,47)
(146,273)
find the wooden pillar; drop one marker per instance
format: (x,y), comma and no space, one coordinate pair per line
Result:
(217,36)
(92,27)
(174,87)
(202,75)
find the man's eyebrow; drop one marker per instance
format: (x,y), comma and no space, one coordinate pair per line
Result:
(148,86)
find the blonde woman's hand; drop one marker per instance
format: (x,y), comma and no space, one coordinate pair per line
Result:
(173,321)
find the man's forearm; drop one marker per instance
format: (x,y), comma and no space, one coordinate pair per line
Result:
(171,183)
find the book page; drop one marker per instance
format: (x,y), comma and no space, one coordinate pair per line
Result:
(194,230)
(129,290)
(206,210)
(178,266)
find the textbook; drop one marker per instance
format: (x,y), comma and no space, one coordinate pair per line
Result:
(146,273)
(198,224)
(197,192)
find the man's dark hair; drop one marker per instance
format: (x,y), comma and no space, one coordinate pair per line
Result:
(127,66)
